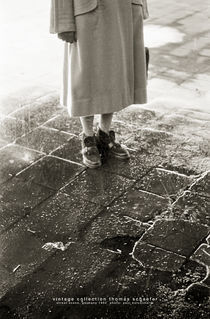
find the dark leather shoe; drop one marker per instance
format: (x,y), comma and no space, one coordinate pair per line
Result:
(90,153)
(107,146)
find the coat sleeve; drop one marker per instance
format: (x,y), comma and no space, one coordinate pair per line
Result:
(62,16)
(145,9)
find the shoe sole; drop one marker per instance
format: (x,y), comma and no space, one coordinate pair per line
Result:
(121,157)
(90,164)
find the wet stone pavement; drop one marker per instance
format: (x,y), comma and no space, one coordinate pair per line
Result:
(128,230)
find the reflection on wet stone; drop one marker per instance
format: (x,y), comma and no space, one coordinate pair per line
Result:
(98,186)
(51,172)
(13,159)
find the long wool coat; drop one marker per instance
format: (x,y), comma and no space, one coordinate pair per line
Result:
(105,70)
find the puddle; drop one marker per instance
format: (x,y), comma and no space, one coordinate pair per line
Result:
(156,35)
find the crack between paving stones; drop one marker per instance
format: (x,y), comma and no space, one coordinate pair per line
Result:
(66,160)
(104,209)
(202,241)
(199,178)
(50,120)
(186,257)
(83,229)
(35,129)
(154,247)
(150,193)
(51,188)
(32,164)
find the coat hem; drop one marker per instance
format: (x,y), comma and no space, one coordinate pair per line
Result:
(102,107)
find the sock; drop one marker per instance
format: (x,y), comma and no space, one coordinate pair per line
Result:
(87,125)
(105,122)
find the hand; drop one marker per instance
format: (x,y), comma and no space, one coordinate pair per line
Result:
(69,36)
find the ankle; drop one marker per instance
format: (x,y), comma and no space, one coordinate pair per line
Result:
(104,129)
(87,133)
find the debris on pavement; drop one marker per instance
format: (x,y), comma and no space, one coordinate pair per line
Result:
(57,245)
(16,268)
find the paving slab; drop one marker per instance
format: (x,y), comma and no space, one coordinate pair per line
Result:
(134,121)
(64,123)
(26,95)
(202,185)
(38,112)
(44,139)
(178,236)
(70,151)
(139,205)
(150,141)
(112,226)
(202,255)
(51,172)
(6,280)
(18,198)
(139,164)
(192,206)
(62,218)
(11,129)
(2,143)
(154,257)
(20,247)
(64,275)
(198,19)
(21,253)
(164,182)
(98,186)
(15,158)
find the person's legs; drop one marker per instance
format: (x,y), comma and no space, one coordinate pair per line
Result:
(90,154)
(105,122)
(87,125)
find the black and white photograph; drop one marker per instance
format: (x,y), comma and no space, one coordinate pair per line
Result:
(104,159)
